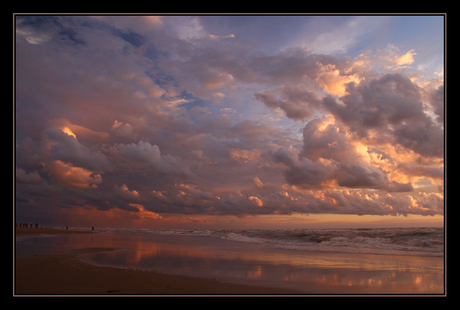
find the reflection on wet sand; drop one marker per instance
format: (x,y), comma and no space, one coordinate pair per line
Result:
(309,272)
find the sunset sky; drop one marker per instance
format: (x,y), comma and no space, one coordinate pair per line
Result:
(229,121)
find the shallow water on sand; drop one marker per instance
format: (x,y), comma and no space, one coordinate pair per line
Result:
(308,272)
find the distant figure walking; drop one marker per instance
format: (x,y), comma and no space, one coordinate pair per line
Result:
(67,227)
(92,228)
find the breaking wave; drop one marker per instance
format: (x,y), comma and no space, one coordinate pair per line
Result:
(425,241)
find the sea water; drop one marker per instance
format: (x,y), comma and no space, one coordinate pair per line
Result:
(420,241)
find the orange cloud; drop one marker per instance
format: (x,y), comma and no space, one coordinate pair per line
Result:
(256,201)
(405,59)
(145,214)
(69,132)
(330,79)
(73,176)
(126,192)
(246,156)
(76,130)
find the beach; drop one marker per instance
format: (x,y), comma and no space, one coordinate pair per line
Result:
(66,262)
(41,231)
(65,274)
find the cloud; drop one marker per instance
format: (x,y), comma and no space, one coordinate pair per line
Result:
(368,176)
(184,198)
(342,36)
(303,172)
(123,131)
(392,59)
(144,213)
(332,81)
(390,108)
(405,59)
(66,148)
(437,102)
(39,30)
(425,140)
(326,138)
(145,154)
(30,178)
(296,102)
(215,37)
(246,156)
(256,201)
(389,100)
(123,192)
(186,27)
(330,157)
(73,176)
(98,98)
(366,202)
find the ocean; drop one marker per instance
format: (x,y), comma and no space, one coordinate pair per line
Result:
(420,241)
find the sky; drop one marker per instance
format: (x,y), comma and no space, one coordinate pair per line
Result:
(229,121)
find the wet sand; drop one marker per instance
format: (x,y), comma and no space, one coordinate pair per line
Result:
(86,263)
(64,274)
(38,231)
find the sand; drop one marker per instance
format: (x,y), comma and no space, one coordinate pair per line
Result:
(36,231)
(65,262)
(65,274)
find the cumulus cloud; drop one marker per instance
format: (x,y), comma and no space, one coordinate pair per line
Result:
(66,148)
(330,78)
(146,154)
(368,176)
(73,176)
(389,100)
(296,102)
(123,131)
(256,201)
(31,178)
(330,157)
(328,139)
(303,172)
(437,102)
(99,97)
(123,192)
(391,108)
(366,202)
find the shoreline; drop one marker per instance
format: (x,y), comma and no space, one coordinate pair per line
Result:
(36,231)
(60,266)
(64,274)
